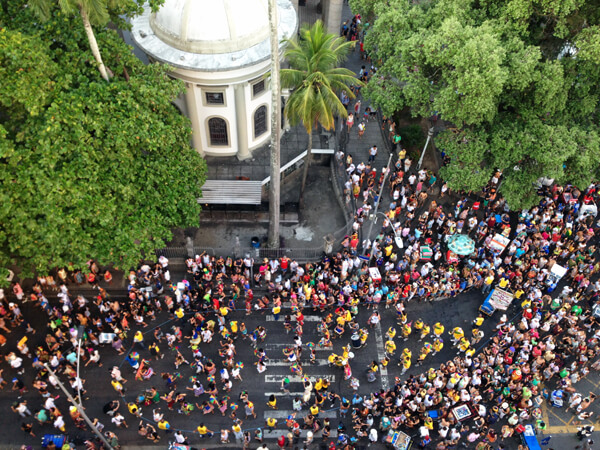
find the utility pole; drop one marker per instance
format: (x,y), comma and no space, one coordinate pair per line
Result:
(377,207)
(275,154)
(397,239)
(429,136)
(79,408)
(80,331)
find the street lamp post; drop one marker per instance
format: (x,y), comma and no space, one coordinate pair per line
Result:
(397,239)
(80,331)
(377,207)
(429,136)
(79,408)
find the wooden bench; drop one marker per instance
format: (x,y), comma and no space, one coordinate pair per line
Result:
(231,192)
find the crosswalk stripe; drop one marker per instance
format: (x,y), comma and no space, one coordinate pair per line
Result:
(385,384)
(274,434)
(285,362)
(310,318)
(296,378)
(284,394)
(284,413)
(276,346)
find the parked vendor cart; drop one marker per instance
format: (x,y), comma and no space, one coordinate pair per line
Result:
(398,440)
(555,275)
(498,299)
(530,439)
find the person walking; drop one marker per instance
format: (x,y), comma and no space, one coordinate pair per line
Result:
(372,154)
(350,122)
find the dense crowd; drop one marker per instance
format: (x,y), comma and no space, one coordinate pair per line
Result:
(538,356)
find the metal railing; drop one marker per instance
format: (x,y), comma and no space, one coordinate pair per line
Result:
(172,252)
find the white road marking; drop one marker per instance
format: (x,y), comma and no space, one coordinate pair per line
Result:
(385,383)
(284,413)
(310,318)
(285,362)
(297,379)
(277,346)
(268,434)
(284,394)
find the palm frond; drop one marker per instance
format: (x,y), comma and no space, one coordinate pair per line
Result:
(97,11)
(41,8)
(315,79)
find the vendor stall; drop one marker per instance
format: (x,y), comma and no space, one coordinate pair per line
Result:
(398,440)
(498,243)
(555,275)
(374,273)
(498,299)
(425,253)
(529,438)
(463,412)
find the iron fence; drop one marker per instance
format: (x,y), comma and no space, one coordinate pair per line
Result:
(172,252)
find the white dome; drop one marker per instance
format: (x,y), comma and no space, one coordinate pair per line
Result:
(211,35)
(212,26)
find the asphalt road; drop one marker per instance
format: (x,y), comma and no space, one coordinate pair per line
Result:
(458,311)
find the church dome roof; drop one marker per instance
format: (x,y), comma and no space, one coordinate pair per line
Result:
(211,26)
(211,35)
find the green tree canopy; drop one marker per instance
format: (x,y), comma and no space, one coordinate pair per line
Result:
(88,169)
(517,79)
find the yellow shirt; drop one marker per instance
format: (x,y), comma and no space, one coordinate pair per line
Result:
(202,430)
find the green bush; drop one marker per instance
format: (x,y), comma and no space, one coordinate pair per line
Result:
(412,136)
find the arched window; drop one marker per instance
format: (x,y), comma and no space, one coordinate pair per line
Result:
(260,121)
(217,130)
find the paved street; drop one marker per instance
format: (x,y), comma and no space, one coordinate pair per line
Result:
(452,312)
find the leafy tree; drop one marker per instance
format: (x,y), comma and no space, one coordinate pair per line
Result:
(517,79)
(316,81)
(88,169)
(93,13)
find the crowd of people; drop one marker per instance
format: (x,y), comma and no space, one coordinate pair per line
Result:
(537,356)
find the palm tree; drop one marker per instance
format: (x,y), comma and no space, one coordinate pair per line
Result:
(315,81)
(91,11)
